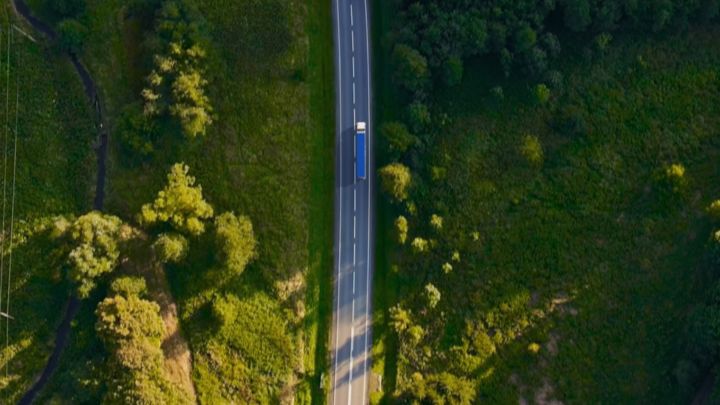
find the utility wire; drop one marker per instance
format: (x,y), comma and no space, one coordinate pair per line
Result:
(12,207)
(7,135)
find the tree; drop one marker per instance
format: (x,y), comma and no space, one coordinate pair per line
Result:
(418,116)
(121,319)
(453,71)
(674,177)
(411,67)
(416,334)
(171,247)
(395,179)
(94,239)
(432,295)
(132,330)
(180,204)
(397,136)
(577,14)
(399,319)
(71,35)
(714,210)
(236,241)
(443,388)
(542,94)
(401,225)
(531,150)
(420,245)
(436,221)
(177,85)
(191,105)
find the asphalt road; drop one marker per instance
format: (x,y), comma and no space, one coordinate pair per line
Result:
(354,211)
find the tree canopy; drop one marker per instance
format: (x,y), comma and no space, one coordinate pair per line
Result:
(235,240)
(395,179)
(177,83)
(94,239)
(180,204)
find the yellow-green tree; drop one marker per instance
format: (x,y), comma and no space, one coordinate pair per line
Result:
(395,179)
(180,204)
(236,241)
(94,239)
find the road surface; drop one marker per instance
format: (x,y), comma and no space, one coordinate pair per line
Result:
(353,207)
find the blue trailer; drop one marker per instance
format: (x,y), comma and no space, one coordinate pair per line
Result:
(361,155)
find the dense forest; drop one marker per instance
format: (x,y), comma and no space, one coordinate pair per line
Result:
(548,168)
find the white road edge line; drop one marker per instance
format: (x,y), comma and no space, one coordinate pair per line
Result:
(350,374)
(369,207)
(337,320)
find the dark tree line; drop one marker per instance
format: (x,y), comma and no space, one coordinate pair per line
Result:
(434,37)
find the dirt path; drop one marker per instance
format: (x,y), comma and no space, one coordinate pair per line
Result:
(178,358)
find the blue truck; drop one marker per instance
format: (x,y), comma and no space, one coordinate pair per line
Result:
(361,155)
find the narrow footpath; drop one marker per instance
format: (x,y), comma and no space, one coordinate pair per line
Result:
(73,306)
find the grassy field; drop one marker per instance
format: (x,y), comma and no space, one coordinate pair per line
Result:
(55,171)
(269,156)
(589,256)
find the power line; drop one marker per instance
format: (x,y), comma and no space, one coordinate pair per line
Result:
(12,208)
(7,135)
